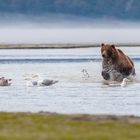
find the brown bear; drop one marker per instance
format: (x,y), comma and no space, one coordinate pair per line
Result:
(115,64)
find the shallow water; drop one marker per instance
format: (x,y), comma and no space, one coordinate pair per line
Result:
(75,92)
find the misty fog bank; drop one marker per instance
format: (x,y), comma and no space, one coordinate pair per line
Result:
(54,35)
(63,21)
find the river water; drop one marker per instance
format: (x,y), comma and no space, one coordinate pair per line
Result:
(75,92)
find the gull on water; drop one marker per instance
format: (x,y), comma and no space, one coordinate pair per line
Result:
(85,73)
(40,81)
(5,82)
(31,83)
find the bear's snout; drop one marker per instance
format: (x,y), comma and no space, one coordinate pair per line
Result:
(104,54)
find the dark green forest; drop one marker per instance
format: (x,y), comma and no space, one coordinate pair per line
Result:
(115,9)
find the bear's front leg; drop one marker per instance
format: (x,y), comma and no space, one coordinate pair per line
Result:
(105,75)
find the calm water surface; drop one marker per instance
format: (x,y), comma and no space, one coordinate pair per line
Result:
(75,93)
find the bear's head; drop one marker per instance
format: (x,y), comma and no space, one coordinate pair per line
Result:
(108,51)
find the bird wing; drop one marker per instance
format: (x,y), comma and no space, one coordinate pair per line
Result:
(47,82)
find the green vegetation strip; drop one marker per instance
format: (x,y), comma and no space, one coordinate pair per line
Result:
(46,126)
(45,46)
(58,46)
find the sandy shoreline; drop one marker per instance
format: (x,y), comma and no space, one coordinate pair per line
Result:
(57,46)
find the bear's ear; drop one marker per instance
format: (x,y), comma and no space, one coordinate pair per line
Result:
(114,52)
(102,44)
(113,46)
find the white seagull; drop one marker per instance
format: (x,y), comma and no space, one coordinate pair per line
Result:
(31,81)
(44,82)
(85,73)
